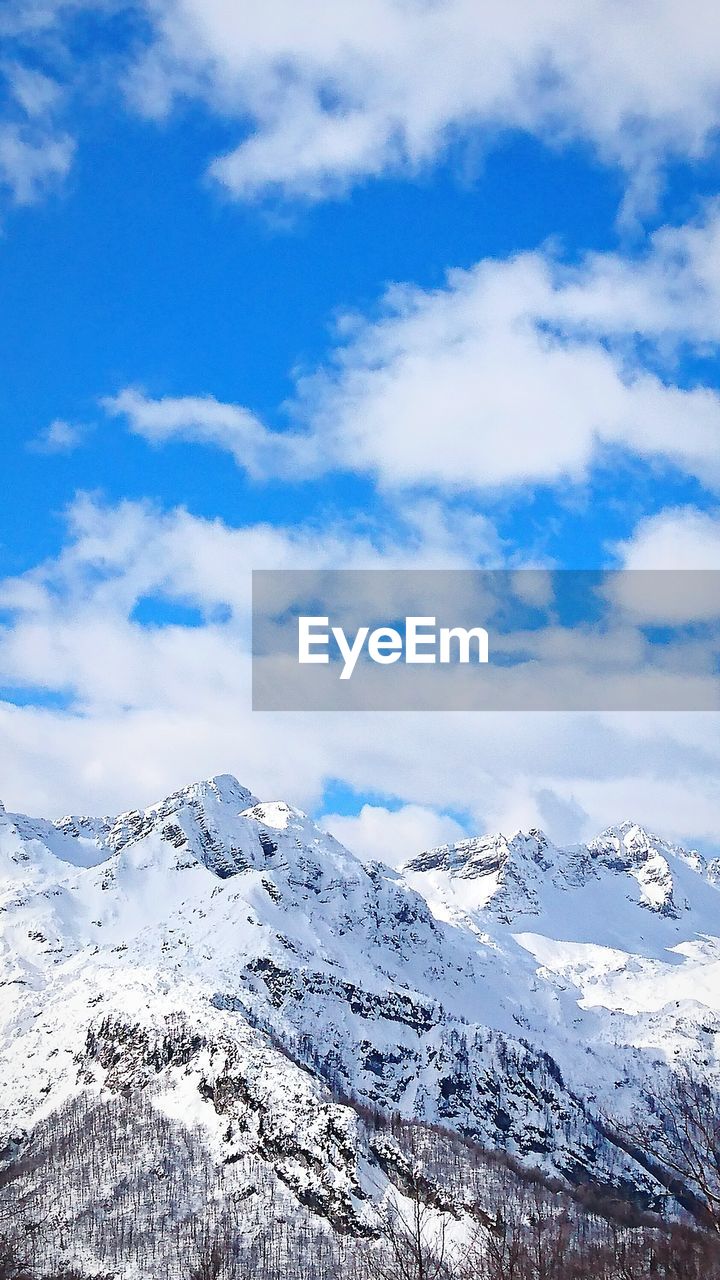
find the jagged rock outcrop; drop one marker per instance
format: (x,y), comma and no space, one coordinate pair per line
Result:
(237,965)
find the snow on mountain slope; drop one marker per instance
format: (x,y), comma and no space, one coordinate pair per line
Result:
(244,967)
(526,875)
(627,927)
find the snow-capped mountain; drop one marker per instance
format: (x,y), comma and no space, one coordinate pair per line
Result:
(624,931)
(250,975)
(511,879)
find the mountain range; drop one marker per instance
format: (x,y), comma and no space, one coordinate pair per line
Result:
(239,985)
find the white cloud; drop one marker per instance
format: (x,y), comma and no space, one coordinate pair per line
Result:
(335,94)
(75,611)
(32,162)
(143,709)
(393,835)
(34,91)
(676,538)
(683,542)
(517,372)
(683,808)
(36,154)
(58,437)
(205,420)
(327,96)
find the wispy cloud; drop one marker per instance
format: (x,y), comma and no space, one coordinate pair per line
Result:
(36,152)
(260,452)
(32,163)
(58,437)
(33,90)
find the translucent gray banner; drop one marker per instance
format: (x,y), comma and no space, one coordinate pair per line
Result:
(477,640)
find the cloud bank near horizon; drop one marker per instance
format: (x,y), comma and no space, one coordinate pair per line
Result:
(413,438)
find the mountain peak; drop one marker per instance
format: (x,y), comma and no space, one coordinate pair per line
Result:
(636,838)
(273,813)
(628,826)
(642,849)
(223,788)
(480,855)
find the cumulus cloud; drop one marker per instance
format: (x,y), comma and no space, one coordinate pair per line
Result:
(524,371)
(327,96)
(685,543)
(74,611)
(103,711)
(393,835)
(676,538)
(334,95)
(518,371)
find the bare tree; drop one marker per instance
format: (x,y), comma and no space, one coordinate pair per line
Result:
(414,1244)
(211,1260)
(681,1134)
(14,1265)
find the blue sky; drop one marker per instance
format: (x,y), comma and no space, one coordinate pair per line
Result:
(395,284)
(156,280)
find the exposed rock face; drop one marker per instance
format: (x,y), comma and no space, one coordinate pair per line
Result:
(514,874)
(238,966)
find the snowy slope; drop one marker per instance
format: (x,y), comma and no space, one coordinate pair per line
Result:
(626,927)
(246,970)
